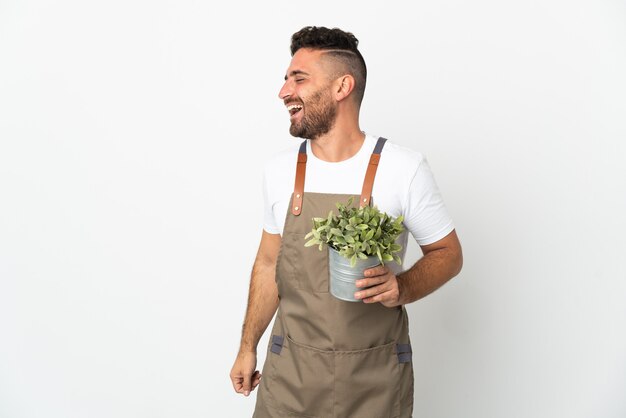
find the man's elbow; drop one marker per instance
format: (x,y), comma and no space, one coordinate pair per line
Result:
(456,261)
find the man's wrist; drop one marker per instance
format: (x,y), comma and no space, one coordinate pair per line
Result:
(402,289)
(247,348)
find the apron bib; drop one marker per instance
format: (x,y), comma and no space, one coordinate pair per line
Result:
(329,358)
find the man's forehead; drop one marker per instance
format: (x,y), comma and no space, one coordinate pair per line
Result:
(305,61)
(309,62)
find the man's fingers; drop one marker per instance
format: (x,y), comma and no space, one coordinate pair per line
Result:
(371,281)
(372,291)
(237,381)
(247,383)
(376,271)
(256,378)
(381,297)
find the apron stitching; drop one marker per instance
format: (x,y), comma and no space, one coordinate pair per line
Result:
(334,384)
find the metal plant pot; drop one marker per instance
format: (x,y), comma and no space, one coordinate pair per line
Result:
(343,276)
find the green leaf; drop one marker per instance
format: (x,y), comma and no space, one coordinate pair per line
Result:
(321,246)
(336,231)
(353,261)
(387,257)
(349,239)
(361,256)
(309,235)
(397,259)
(311,242)
(369,235)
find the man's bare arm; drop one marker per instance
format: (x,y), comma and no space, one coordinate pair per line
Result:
(263,293)
(262,305)
(442,261)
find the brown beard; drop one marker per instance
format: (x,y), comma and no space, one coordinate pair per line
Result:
(319,117)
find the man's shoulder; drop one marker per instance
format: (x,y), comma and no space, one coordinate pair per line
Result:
(400,156)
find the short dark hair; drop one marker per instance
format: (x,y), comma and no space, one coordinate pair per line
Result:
(341,46)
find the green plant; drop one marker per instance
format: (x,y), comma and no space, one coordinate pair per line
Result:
(358,232)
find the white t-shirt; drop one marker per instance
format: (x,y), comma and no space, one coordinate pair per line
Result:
(404,185)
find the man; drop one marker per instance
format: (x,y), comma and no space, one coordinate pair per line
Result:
(327,357)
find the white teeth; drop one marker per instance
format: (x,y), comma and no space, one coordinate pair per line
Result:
(294,106)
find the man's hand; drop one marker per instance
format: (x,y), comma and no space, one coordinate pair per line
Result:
(245,378)
(385,287)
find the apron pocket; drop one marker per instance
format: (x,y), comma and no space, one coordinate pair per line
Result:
(301,381)
(308,265)
(367,382)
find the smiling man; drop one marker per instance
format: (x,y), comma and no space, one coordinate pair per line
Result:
(328,357)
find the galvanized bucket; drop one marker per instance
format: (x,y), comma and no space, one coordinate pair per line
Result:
(343,276)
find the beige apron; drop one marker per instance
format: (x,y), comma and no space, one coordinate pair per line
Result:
(327,357)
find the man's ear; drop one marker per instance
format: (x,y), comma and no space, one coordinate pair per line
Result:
(344,86)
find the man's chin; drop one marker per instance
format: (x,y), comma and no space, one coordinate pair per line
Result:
(298,133)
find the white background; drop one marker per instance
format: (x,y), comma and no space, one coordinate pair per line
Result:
(132,136)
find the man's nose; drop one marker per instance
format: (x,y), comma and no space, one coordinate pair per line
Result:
(285,91)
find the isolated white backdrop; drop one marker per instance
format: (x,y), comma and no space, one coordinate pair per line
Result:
(132,136)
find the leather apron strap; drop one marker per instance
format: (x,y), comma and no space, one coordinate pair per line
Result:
(370,174)
(298,189)
(368,182)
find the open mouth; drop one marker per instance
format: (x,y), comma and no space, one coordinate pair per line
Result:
(294,109)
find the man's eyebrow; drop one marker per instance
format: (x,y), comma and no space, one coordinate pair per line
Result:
(296,72)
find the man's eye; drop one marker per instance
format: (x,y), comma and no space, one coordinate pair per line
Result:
(298,80)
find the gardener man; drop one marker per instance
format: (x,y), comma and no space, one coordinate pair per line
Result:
(329,357)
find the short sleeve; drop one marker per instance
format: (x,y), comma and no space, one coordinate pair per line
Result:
(425,214)
(269,221)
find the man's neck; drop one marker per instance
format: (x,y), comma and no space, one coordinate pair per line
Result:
(338,144)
